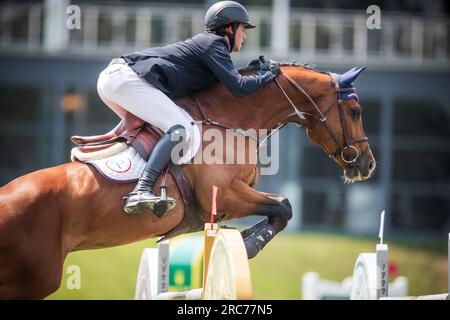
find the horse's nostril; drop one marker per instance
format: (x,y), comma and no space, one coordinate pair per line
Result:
(371,165)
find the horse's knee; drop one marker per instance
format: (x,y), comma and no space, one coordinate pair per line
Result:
(285,212)
(282,216)
(287,203)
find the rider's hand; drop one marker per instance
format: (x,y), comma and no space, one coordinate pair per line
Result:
(271,66)
(275,69)
(254,63)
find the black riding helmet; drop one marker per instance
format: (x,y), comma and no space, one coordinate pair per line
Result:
(223,13)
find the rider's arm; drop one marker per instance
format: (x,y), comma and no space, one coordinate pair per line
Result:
(219,61)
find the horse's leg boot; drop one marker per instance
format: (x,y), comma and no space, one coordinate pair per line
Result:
(249,231)
(255,242)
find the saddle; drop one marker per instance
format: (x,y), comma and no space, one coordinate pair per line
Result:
(142,136)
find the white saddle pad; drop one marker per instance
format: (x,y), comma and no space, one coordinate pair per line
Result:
(121,163)
(123,167)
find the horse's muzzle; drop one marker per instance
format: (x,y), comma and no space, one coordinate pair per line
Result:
(361,170)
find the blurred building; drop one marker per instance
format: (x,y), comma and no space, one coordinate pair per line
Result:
(48,92)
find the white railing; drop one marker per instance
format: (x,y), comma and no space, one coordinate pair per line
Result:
(338,37)
(21,26)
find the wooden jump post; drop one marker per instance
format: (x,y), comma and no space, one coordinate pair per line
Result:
(226,273)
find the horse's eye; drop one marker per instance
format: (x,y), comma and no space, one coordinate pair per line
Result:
(356,113)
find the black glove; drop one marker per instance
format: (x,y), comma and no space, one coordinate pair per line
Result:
(270,65)
(275,69)
(254,63)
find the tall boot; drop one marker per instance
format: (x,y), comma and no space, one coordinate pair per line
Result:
(142,197)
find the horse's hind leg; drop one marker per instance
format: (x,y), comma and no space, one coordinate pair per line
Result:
(252,202)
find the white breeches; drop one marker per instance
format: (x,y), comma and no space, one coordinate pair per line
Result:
(124,91)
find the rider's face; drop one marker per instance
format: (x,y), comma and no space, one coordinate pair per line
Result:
(239,38)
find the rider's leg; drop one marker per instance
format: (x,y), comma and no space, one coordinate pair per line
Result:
(132,93)
(126,89)
(102,89)
(142,197)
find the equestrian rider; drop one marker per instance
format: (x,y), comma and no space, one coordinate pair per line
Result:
(145,82)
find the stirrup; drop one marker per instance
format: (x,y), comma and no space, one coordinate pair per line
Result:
(133,203)
(160,207)
(141,201)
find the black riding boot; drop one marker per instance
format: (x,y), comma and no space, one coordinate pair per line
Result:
(142,197)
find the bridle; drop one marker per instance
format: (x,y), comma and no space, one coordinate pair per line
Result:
(348,143)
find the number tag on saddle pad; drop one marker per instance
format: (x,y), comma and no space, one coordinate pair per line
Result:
(123,167)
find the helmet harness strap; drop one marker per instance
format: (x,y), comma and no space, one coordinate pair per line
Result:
(232,36)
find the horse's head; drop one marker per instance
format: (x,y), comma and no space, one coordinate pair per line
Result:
(334,121)
(340,132)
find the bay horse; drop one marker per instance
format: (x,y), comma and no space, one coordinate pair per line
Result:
(46,214)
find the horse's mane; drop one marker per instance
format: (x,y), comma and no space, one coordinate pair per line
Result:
(222,94)
(253,67)
(256,64)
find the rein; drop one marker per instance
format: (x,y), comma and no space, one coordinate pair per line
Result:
(348,144)
(208,121)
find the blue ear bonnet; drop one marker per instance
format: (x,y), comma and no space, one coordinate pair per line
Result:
(346,82)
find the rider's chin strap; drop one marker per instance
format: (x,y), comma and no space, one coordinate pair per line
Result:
(232,36)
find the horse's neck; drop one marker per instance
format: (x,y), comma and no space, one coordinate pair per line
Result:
(264,109)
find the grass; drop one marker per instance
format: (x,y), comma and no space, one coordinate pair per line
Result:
(276,272)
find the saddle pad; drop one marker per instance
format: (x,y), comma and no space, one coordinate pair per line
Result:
(123,167)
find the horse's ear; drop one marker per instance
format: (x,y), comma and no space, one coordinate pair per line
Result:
(347,78)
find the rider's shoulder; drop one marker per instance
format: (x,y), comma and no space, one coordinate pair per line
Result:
(208,40)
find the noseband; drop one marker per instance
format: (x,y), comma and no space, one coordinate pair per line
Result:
(348,143)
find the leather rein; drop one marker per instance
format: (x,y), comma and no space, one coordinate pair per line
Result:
(348,143)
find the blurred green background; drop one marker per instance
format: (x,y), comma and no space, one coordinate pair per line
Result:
(277,271)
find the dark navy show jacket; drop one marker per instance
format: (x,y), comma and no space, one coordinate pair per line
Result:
(194,64)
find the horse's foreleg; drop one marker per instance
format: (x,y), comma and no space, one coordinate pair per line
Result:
(276,208)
